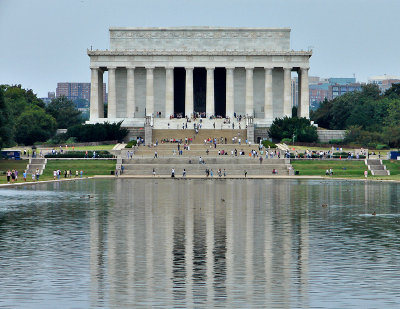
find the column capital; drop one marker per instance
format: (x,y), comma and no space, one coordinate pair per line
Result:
(149,68)
(111,68)
(230,68)
(249,68)
(189,68)
(130,67)
(169,67)
(304,68)
(268,68)
(210,68)
(92,67)
(287,68)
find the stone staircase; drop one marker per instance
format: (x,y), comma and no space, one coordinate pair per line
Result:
(233,166)
(200,136)
(167,150)
(35,163)
(376,167)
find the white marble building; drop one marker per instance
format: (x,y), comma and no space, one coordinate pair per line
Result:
(170,72)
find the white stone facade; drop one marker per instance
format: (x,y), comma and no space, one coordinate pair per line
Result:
(226,72)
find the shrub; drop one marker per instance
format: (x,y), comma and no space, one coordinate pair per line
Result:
(286,141)
(98,132)
(336,141)
(268,143)
(286,127)
(131,144)
(80,154)
(71,140)
(382,146)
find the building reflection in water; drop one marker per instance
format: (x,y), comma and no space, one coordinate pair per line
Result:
(200,243)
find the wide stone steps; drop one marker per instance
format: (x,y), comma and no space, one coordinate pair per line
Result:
(200,170)
(36,163)
(380,172)
(376,167)
(208,160)
(200,136)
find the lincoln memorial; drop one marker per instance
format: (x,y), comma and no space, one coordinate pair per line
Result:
(215,73)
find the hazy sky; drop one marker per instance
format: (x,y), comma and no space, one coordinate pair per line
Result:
(43,42)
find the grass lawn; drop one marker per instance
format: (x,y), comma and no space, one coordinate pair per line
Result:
(341,168)
(19,165)
(80,148)
(89,167)
(393,166)
(91,148)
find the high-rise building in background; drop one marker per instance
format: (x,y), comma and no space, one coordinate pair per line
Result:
(76,91)
(384,82)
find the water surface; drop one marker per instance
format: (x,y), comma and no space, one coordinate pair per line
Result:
(200,243)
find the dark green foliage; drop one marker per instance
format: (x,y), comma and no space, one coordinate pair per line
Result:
(5,122)
(34,125)
(131,144)
(269,144)
(371,119)
(98,132)
(287,140)
(64,112)
(336,141)
(286,127)
(80,154)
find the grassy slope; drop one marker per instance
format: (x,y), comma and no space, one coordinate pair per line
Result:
(89,167)
(341,168)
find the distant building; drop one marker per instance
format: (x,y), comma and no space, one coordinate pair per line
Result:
(384,82)
(336,90)
(76,91)
(51,95)
(318,93)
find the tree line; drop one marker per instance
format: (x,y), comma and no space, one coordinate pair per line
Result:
(25,120)
(370,118)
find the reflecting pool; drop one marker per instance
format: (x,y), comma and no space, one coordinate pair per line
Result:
(200,243)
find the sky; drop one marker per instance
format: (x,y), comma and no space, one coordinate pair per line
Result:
(43,42)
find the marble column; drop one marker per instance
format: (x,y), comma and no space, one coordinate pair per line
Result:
(249,92)
(130,93)
(305,96)
(169,91)
(287,92)
(230,104)
(210,101)
(299,93)
(112,95)
(189,92)
(268,106)
(100,93)
(94,99)
(149,91)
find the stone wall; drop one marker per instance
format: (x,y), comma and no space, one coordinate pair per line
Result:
(325,136)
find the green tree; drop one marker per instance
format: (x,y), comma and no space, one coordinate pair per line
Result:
(286,127)
(5,122)
(34,125)
(393,91)
(64,112)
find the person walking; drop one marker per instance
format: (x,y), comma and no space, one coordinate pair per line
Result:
(8,176)
(173,173)
(154,172)
(184,173)
(245,174)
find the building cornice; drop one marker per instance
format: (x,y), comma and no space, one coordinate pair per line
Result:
(195,53)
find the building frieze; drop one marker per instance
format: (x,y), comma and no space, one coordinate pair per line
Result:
(211,53)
